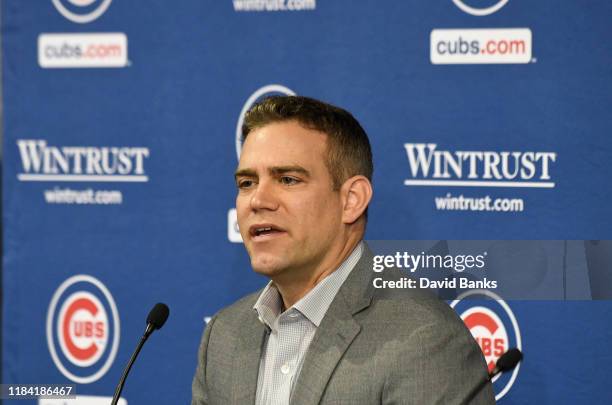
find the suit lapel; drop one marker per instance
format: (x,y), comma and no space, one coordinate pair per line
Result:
(332,339)
(335,334)
(246,360)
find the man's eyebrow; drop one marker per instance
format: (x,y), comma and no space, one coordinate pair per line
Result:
(278,170)
(245,173)
(274,171)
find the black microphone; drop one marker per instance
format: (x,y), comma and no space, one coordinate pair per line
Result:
(155,320)
(506,362)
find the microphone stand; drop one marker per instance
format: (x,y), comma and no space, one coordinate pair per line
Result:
(150,328)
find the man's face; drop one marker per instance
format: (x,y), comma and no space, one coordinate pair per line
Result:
(288,213)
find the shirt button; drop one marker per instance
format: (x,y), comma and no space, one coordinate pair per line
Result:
(285,368)
(293,315)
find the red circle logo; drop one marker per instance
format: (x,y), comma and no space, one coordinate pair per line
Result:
(489,331)
(82,328)
(493,325)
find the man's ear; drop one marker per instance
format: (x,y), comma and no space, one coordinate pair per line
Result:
(356,194)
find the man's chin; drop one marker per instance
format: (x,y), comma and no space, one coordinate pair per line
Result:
(267,265)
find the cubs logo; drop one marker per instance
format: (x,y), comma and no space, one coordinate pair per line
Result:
(82,329)
(494,327)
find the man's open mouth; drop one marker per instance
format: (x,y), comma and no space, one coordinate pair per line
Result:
(264,230)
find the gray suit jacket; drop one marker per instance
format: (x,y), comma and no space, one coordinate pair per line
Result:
(372,347)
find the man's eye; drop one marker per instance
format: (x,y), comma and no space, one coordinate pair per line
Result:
(245,183)
(288,181)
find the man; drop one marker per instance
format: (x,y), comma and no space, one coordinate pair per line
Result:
(319,333)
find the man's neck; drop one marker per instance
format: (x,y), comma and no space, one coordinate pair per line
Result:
(299,283)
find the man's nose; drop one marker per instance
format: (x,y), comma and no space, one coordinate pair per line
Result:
(264,197)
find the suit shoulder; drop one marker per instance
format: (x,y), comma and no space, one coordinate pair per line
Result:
(415,310)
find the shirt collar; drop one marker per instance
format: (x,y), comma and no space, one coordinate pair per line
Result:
(316,302)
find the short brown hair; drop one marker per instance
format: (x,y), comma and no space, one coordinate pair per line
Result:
(348,152)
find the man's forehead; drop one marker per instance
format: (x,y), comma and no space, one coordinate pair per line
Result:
(283,148)
(279,162)
(286,133)
(282,145)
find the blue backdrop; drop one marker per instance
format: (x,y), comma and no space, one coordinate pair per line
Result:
(488,120)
